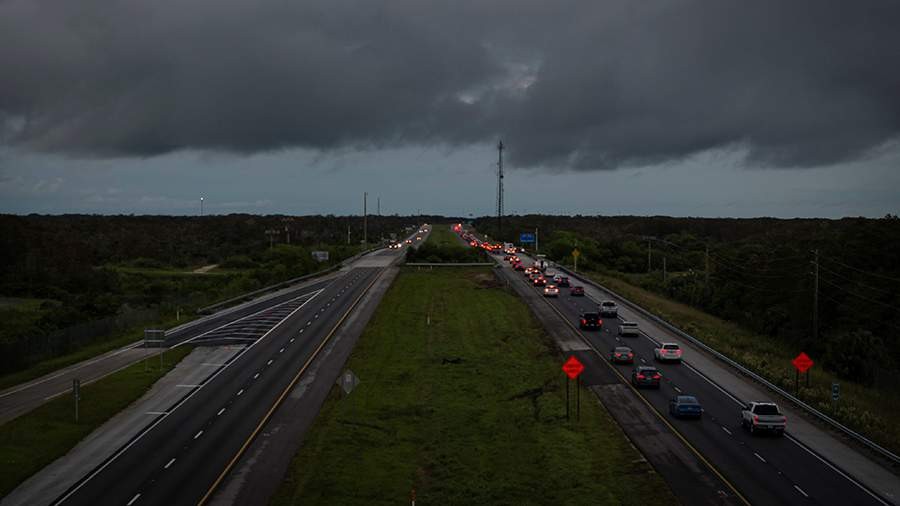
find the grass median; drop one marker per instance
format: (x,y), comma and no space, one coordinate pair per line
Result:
(37,438)
(461,398)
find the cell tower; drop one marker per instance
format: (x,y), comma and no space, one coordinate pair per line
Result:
(499,189)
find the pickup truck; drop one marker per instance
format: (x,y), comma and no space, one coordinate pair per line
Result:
(763,416)
(629,329)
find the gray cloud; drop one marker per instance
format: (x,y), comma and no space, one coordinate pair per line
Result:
(576,84)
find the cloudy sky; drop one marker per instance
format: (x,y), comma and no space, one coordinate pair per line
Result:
(678,107)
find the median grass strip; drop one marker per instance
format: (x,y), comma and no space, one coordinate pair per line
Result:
(442,236)
(37,438)
(871,411)
(461,398)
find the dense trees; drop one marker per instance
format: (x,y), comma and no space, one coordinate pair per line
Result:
(758,272)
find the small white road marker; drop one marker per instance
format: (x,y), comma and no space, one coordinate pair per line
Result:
(269,362)
(198,434)
(759,457)
(292,339)
(281,350)
(169,464)
(220,412)
(255,375)
(133,499)
(643,361)
(240,391)
(676,389)
(726,430)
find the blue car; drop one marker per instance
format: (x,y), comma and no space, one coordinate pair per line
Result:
(685,406)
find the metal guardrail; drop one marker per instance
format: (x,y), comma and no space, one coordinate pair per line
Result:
(822,416)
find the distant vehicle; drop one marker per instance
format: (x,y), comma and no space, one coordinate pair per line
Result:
(519,266)
(668,351)
(763,416)
(509,246)
(590,321)
(629,329)
(395,245)
(541,281)
(685,405)
(551,291)
(550,275)
(563,281)
(621,355)
(609,308)
(645,376)
(408,241)
(577,291)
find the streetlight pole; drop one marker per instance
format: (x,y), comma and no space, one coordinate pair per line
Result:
(201,206)
(365,219)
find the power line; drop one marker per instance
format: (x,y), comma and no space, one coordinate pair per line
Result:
(845,278)
(863,297)
(895,280)
(868,311)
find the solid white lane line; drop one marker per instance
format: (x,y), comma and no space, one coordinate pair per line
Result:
(220,412)
(726,430)
(240,391)
(198,434)
(759,457)
(801,491)
(135,498)
(169,464)
(269,362)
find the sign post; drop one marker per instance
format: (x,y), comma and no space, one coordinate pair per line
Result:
(76,393)
(802,363)
(573,368)
(835,395)
(575,255)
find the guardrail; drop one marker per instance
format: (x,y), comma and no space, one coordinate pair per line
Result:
(249,295)
(884,452)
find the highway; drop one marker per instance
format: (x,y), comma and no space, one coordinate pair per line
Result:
(185,452)
(765,469)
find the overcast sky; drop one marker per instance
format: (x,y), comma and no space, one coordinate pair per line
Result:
(686,108)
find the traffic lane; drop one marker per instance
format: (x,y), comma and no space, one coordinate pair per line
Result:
(251,389)
(796,472)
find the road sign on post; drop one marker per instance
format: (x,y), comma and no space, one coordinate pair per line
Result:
(802,363)
(573,369)
(835,391)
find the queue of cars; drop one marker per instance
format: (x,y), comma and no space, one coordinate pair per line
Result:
(756,416)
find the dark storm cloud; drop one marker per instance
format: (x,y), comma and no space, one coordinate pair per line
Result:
(589,84)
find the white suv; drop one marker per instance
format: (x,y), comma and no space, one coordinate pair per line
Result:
(668,351)
(609,308)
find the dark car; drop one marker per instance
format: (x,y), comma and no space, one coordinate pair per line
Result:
(519,266)
(590,321)
(685,405)
(563,281)
(645,376)
(577,291)
(540,281)
(621,355)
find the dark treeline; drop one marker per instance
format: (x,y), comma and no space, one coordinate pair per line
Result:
(104,268)
(757,272)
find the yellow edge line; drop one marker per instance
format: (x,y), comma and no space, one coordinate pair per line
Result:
(651,406)
(281,397)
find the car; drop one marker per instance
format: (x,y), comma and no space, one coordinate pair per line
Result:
(629,329)
(551,291)
(408,241)
(556,278)
(621,355)
(645,376)
(563,281)
(667,352)
(529,270)
(577,291)
(763,416)
(550,275)
(519,266)
(609,308)
(590,321)
(685,406)
(540,281)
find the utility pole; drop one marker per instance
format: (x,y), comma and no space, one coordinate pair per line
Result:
(664,270)
(271,232)
(500,190)
(287,229)
(706,269)
(365,219)
(536,244)
(348,234)
(648,255)
(816,296)
(201,206)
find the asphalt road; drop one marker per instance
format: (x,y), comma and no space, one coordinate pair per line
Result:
(767,470)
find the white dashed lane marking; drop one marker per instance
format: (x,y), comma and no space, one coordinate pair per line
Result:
(801,491)
(240,391)
(726,430)
(133,499)
(169,464)
(269,362)
(220,412)
(760,457)
(198,434)
(255,375)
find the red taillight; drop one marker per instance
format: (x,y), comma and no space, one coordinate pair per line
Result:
(656,376)
(640,376)
(755,419)
(678,352)
(599,322)
(630,355)
(583,321)
(618,355)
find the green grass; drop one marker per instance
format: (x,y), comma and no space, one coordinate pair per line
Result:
(871,411)
(54,364)
(468,409)
(442,236)
(37,438)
